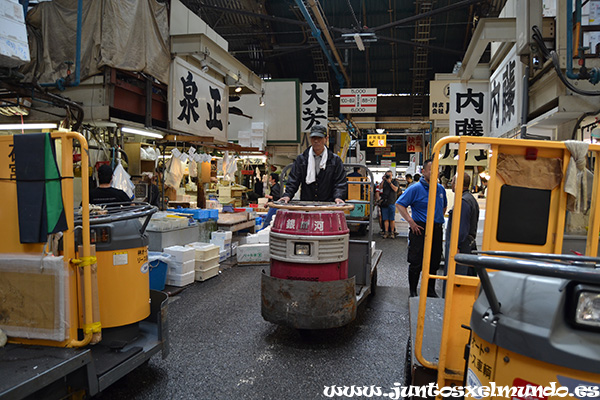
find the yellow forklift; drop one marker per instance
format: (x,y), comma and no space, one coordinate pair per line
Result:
(75,300)
(531,318)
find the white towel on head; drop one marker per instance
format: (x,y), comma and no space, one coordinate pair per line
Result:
(311,174)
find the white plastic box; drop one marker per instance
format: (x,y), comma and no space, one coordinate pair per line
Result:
(223,244)
(205,251)
(181,254)
(177,268)
(205,274)
(206,264)
(181,280)
(221,235)
(14,48)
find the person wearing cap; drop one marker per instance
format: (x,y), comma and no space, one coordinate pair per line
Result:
(104,193)
(318,172)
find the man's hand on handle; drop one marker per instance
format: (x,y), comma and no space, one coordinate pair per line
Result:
(339,201)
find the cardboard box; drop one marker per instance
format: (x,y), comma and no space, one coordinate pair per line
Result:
(14,48)
(253,253)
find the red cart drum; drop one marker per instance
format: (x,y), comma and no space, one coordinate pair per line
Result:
(309,245)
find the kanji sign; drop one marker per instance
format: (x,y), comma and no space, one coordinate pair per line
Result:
(439,99)
(469,109)
(198,103)
(506,88)
(358,101)
(414,144)
(314,104)
(376,140)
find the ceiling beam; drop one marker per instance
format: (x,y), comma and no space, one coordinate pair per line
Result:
(428,14)
(488,30)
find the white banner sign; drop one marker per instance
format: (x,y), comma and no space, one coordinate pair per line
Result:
(314,104)
(358,101)
(469,109)
(198,103)
(506,90)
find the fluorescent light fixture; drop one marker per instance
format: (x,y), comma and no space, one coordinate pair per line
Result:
(10,127)
(359,42)
(142,132)
(380,130)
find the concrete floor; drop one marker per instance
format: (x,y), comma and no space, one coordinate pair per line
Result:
(221,348)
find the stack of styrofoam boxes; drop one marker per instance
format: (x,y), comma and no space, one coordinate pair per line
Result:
(258,136)
(181,267)
(207,260)
(244,139)
(14,49)
(223,240)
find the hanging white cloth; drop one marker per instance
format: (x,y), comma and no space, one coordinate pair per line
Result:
(577,177)
(311,174)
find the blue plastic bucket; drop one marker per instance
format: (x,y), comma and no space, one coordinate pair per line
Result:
(158,269)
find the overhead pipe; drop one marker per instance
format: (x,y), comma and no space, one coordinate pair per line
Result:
(593,74)
(62,83)
(317,35)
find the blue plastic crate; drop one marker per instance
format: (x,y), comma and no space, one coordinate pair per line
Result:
(213,214)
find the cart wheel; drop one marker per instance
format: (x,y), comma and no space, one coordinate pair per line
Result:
(362,230)
(374,282)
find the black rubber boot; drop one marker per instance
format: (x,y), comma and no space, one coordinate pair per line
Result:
(431,289)
(413,281)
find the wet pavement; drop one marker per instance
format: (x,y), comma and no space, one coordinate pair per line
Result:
(221,348)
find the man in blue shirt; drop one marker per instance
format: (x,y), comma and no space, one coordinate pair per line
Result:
(416,197)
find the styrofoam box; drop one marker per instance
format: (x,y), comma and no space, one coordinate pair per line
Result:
(205,251)
(205,274)
(181,280)
(243,134)
(234,246)
(258,125)
(223,235)
(223,245)
(206,264)
(252,239)
(177,268)
(253,253)
(222,255)
(181,253)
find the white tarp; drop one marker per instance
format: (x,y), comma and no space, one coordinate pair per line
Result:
(131,35)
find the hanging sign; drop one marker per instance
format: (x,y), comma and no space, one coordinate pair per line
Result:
(314,104)
(358,101)
(469,109)
(376,140)
(506,91)
(414,144)
(198,103)
(439,99)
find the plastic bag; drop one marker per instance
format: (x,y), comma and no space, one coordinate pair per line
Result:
(122,180)
(174,173)
(193,167)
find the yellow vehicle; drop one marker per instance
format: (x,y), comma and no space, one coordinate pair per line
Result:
(534,320)
(77,308)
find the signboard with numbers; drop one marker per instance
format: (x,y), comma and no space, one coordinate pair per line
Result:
(469,109)
(439,99)
(376,140)
(358,101)
(315,96)
(198,103)
(506,89)
(414,144)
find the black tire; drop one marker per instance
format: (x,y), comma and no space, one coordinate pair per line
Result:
(374,282)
